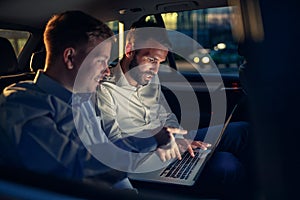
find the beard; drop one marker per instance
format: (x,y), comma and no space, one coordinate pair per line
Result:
(136,73)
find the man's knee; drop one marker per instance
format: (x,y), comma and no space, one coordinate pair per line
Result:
(237,130)
(225,168)
(235,138)
(222,175)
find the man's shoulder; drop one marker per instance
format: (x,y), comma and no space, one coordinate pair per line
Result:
(20,101)
(21,93)
(107,88)
(17,89)
(27,99)
(108,84)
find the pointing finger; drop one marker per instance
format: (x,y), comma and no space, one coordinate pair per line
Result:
(190,150)
(177,131)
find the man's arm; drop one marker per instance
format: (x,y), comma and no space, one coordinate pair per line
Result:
(141,142)
(170,118)
(41,147)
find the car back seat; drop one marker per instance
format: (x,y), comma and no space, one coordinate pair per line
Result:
(14,78)
(37,60)
(9,65)
(8,58)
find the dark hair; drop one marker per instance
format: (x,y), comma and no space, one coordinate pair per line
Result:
(142,30)
(72,29)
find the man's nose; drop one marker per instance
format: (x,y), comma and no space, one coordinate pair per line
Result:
(155,67)
(106,72)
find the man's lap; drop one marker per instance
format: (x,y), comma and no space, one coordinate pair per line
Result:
(222,175)
(225,172)
(234,139)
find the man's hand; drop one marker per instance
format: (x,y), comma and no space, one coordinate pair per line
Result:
(164,136)
(189,145)
(169,151)
(167,147)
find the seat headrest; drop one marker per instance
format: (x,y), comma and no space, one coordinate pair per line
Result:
(37,60)
(8,58)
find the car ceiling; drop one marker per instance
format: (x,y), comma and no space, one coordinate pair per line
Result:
(34,13)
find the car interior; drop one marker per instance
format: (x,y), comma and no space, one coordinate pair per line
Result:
(239,42)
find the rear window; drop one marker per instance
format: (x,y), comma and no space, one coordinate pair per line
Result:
(17,38)
(212,28)
(114,26)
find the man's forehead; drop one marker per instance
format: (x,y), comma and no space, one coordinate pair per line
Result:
(152,51)
(150,44)
(103,49)
(100,45)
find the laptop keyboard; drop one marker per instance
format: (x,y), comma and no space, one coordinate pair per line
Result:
(181,169)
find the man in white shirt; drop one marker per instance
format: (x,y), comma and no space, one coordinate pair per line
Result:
(132,101)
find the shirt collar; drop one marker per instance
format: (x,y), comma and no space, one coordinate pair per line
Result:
(120,79)
(52,87)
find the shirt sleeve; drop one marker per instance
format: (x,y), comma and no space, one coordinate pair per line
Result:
(40,135)
(61,152)
(44,142)
(171,119)
(142,142)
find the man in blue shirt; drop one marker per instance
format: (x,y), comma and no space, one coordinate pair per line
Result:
(47,125)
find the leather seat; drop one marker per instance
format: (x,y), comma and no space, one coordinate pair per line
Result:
(8,59)
(9,73)
(37,61)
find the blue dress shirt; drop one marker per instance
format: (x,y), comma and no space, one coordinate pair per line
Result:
(37,132)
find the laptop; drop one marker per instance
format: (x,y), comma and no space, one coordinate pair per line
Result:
(180,172)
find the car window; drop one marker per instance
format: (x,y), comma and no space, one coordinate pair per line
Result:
(212,29)
(114,26)
(17,38)
(118,28)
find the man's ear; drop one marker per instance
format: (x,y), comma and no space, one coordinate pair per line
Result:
(68,57)
(129,52)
